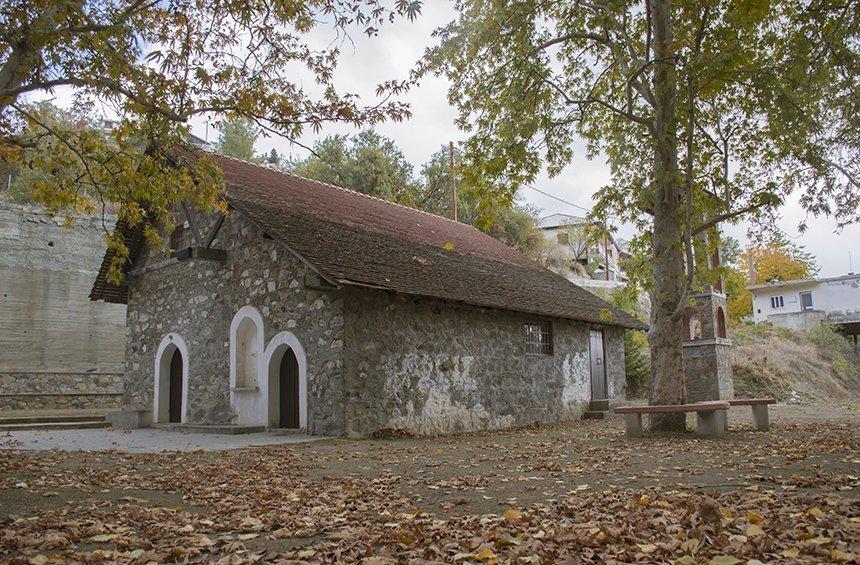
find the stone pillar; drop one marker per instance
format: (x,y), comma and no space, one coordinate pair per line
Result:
(707,348)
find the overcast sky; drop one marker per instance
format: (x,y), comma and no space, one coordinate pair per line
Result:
(369,61)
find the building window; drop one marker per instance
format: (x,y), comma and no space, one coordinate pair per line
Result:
(538,338)
(806,300)
(177,237)
(776,302)
(563,238)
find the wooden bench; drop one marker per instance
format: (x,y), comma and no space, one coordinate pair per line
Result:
(710,416)
(761,419)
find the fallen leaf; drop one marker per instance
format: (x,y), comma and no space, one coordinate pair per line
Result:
(724,560)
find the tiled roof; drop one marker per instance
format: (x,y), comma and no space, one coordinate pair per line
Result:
(355,239)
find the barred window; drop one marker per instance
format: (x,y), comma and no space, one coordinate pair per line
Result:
(538,338)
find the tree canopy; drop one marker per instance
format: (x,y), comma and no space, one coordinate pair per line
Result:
(158,65)
(706,111)
(237,139)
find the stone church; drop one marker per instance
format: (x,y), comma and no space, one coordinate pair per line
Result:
(309,306)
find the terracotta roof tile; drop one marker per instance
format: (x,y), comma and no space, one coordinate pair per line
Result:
(352,238)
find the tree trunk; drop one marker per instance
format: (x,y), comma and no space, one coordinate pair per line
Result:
(666,333)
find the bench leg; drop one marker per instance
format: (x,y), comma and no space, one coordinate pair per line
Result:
(723,416)
(710,424)
(761,419)
(633,425)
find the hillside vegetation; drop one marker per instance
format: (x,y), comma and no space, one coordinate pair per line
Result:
(817,365)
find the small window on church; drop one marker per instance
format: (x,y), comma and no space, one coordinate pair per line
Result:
(776,302)
(538,338)
(177,237)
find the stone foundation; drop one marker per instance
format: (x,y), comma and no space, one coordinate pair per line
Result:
(60,391)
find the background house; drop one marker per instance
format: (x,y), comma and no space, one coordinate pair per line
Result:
(801,304)
(584,252)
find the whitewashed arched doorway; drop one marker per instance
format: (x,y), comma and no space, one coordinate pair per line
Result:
(170,394)
(246,367)
(285,360)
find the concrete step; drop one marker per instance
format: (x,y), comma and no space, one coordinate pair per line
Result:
(6,420)
(601,405)
(77,425)
(594,415)
(212,429)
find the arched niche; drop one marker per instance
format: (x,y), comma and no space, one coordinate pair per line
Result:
(275,357)
(721,323)
(171,344)
(246,348)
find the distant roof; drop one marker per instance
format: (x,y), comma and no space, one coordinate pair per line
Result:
(355,239)
(559,220)
(800,282)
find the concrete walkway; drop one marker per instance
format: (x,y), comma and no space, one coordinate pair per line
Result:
(144,440)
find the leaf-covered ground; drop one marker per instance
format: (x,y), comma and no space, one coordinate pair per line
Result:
(577,492)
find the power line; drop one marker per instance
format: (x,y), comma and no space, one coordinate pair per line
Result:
(559,199)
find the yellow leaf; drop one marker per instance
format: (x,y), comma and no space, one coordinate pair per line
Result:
(726,513)
(647,548)
(485,554)
(754,530)
(306,553)
(686,560)
(738,538)
(837,555)
(815,512)
(244,537)
(438,452)
(662,504)
(513,515)
(821,540)
(38,560)
(645,500)
(723,560)
(791,552)
(754,518)
(448,246)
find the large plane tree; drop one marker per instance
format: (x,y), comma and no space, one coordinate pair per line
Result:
(706,111)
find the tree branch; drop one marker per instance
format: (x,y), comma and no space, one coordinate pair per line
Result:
(728,216)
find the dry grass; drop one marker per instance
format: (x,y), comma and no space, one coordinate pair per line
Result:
(818,365)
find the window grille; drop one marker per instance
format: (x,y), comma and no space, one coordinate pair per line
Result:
(538,338)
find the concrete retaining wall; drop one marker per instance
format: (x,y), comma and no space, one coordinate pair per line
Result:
(52,338)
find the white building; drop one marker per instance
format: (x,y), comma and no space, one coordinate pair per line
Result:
(581,253)
(801,304)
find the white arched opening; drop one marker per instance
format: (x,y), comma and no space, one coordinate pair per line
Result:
(275,351)
(246,366)
(170,344)
(246,348)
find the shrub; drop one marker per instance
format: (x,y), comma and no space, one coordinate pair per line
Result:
(637,364)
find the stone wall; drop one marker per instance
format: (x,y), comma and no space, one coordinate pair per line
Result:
(198,299)
(708,370)
(437,367)
(60,391)
(53,339)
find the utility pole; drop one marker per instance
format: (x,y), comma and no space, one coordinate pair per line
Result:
(453,182)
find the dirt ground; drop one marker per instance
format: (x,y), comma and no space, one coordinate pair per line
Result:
(577,492)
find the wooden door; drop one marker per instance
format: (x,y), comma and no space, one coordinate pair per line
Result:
(175,403)
(598,365)
(289,391)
